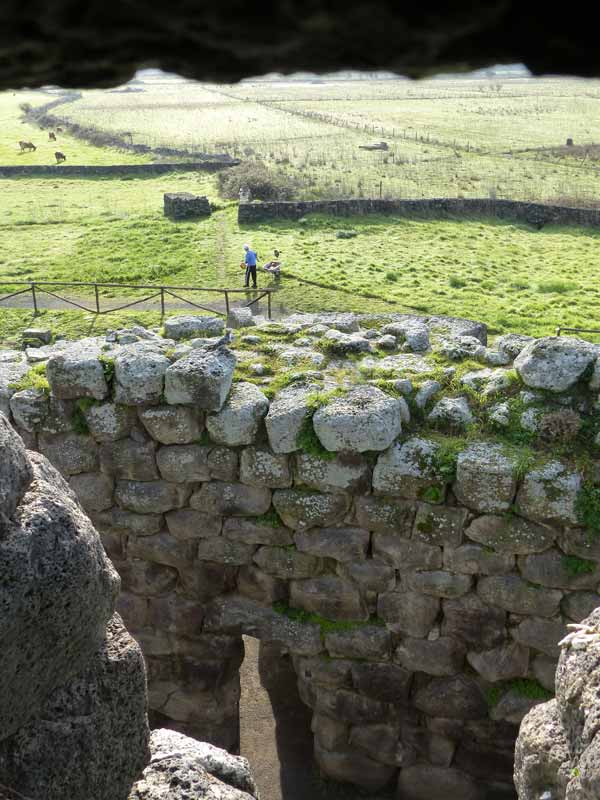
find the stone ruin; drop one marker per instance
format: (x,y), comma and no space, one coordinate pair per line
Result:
(410,512)
(73,699)
(183,205)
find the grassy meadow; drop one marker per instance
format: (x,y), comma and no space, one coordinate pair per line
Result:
(446,138)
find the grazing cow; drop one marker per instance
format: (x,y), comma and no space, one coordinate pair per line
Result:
(60,157)
(59,130)
(52,136)
(27,146)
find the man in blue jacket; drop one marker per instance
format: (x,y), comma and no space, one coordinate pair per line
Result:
(250,261)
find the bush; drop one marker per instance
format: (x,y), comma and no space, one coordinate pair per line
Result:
(263,183)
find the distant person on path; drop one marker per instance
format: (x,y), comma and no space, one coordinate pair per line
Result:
(250,258)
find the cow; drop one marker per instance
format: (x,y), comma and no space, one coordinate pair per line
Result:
(59,130)
(60,157)
(52,136)
(27,146)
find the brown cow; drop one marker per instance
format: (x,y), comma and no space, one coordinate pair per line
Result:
(27,146)
(52,136)
(60,157)
(59,130)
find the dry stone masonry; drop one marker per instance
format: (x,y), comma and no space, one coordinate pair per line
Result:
(413,512)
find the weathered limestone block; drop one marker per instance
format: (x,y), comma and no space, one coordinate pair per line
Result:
(444,656)
(260,466)
(540,634)
(380,742)
(225,551)
(424,782)
(511,534)
(162,548)
(438,583)
(285,563)
(206,580)
(211,712)
(370,642)
(512,707)
(343,344)
(139,376)
(365,419)
(548,494)
(127,522)
(485,478)
(469,619)
(330,734)
(202,378)
(501,663)
(554,363)
(239,419)
(181,767)
(370,575)
(578,605)
(188,326)
(183,463)
(407,470)
(236,615)
(439,525)
(473,559)
(150,497)
(59,418)
(352,707)
(300,509)
(451,412)
(173,424)
(16,471)
(223,464)
(553,569)
(408,612)
(386,515)
(415,334)
(146,579)
(129,459)
(405,554)
(341,544)
(330,672)
(518,596)
(577,541)
(70,453)
(328,596)
(353,766)
(288,412)
(29,408)
(258,585)
(457,697)
(108,421)
(93,489)
(348,472)
(252,531)
(544,670)
(77,372)
(53,617)
(542,754)
(511,344)
(231,499)
(91,739)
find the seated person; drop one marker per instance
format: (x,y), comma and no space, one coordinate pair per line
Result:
(274,266)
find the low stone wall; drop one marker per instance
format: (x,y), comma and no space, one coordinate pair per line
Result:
(418,561)
(531,213)
(114,170)
(184,205)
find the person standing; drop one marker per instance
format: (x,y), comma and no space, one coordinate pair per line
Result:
(250,259)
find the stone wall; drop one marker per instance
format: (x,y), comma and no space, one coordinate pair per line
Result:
(415,529)
(532,213)
(184,205)
(112,170)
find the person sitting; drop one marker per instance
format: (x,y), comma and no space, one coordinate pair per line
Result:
(273,266)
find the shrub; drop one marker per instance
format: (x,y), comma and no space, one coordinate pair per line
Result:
(560,425)
(263,183)
(587,507)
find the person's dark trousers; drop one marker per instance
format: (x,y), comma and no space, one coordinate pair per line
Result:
(251,273)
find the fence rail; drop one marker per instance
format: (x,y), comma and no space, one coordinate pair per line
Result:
(159,294)
(561,330)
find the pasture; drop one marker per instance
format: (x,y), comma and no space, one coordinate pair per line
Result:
(445,138)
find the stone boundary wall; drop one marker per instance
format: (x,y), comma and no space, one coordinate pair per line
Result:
(421,591)
(84,171)
(532,213)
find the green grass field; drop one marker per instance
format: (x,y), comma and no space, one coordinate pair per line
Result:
(113,230)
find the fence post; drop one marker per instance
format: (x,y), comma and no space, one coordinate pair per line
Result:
(227,302)
(97,298)
(162,301)
(34,298)
(269,304)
